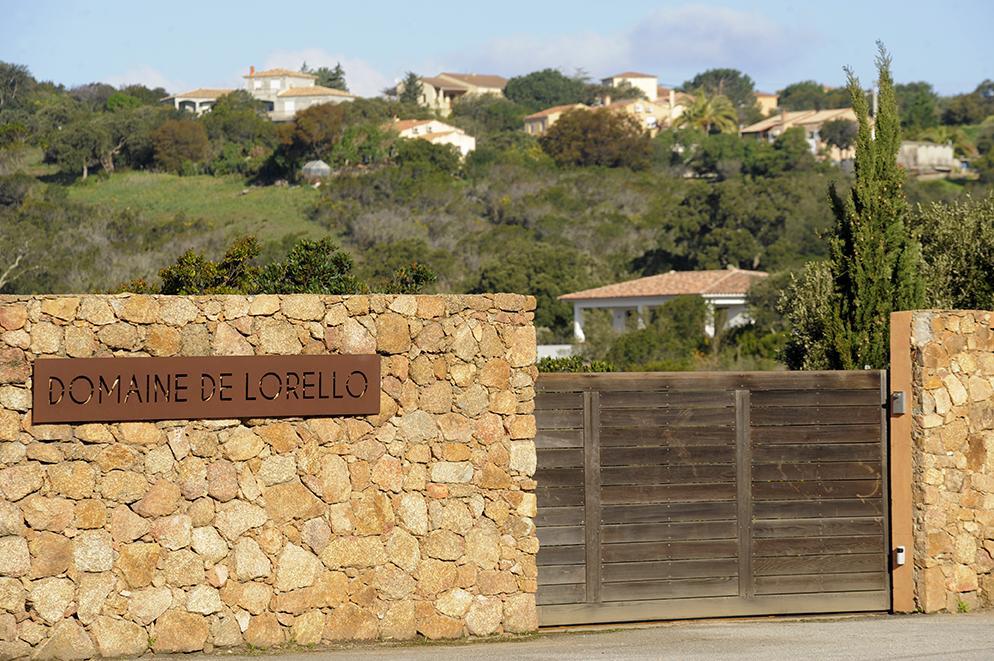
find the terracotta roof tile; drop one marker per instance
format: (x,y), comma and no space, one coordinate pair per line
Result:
(478,80)
(555,109)
(632,74)
(675,283)
(278,72)
(314,90)
(202,93)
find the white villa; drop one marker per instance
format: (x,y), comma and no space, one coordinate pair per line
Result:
(724,290)
(435,132)
(439,92)
(284,92)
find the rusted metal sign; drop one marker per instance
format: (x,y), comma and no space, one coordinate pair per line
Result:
(131,389)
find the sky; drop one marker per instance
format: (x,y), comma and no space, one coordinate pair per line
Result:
(181,44)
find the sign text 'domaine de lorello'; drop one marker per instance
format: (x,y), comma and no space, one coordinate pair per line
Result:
(129,389)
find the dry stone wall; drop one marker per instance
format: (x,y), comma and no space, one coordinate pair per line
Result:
(953,459)
(188,536)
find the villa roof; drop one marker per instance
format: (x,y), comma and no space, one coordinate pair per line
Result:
(731,281)
(800,118)
(478,80)
(632,74)
(555,109)
(315,90)
(279,72)
(203,93)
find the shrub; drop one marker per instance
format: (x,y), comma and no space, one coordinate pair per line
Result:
(179,142)
(598,137)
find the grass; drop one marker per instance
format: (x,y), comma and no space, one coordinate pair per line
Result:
(270,212)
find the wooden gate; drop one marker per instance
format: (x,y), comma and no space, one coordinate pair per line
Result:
(685,495)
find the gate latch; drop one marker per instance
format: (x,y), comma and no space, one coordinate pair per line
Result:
(897,402)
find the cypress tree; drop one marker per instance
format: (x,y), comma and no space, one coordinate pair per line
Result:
(875,263)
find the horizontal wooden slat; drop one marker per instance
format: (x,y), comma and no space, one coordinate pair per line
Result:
(818,564)
(560,458)
(816,489)
(690,587)
(671,417)
(561,594)
(666,398)
(663,512)
(559,496)
(636,571)
(819,434)
(560,535)
(561,574)
(816,452)
(667,492)
(650,532)
(560,555)
(559,516)
(559,477)
(821,583)
(818,545)
(666,436)
(558,400)
(607,382)
(814,415)
(559,419)
(804,509)
(820,527)
(816,397)
(703,454)
(685,550)
(670,609)
(617,475)
(559,438)
(835,470)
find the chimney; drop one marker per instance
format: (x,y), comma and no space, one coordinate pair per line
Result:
(252,70)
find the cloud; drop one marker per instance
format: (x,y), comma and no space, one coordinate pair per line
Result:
(145,75)
(363,79)
(674,43)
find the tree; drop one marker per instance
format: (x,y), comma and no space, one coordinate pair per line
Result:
(970,108)
(487,113)
(546,88)
(839,133)
(119,101)
(411,89)
(736,86)
(709,112)
(598,137)
(809,95)
(179,142)
(875,264)
(16,84)
(958,248)
(80,145)
(333,78)
(918,104)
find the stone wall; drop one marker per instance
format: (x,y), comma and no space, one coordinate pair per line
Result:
(953,459)
(188,536)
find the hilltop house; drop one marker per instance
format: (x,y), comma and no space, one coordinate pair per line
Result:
(811,121)
(284,93)
(435,132)
(540,122)
(927,160)
(724,290)
(439,92)
(287,92)
(767,102)
(644,82)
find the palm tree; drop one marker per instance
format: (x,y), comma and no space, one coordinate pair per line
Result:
(710,112)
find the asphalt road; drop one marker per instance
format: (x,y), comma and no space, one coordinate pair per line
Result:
(961,636)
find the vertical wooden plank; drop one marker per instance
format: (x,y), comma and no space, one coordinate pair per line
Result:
(899,453)
(592,493)
(743,460)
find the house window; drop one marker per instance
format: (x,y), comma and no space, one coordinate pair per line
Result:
(638,107)
(275,84)
(257,84)
(289,106)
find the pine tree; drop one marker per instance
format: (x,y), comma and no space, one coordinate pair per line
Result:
(875,263)
(411,89)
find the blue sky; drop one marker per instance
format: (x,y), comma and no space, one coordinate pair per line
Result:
(182,44)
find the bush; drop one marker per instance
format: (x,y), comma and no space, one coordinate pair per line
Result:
(576,364)
(598,137)
(178,143)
